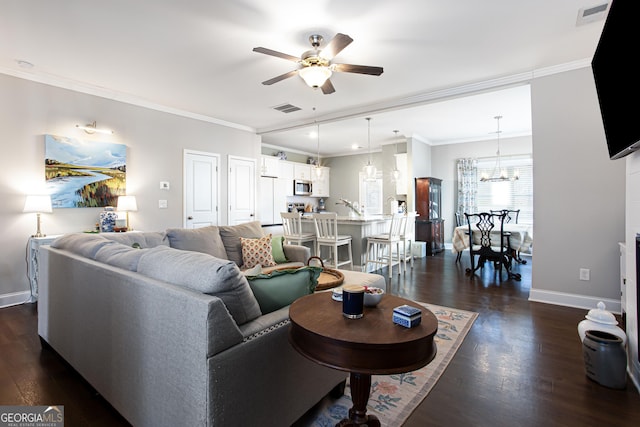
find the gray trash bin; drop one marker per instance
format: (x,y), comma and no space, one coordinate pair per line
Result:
(605,359)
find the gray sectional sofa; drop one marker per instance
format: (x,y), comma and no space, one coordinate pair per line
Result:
(165,327)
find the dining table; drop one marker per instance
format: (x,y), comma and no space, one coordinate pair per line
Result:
(520,237)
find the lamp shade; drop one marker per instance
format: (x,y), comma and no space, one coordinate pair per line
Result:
(127,204)
(38,204)
(315,75)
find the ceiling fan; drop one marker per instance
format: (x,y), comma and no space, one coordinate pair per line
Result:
(315,64)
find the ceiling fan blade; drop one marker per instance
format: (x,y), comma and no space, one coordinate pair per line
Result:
(335,46)
(359,69)
(327,87)
(280,77)
(276,53)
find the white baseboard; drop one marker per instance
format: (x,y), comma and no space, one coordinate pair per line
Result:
(574,300)
(16,298)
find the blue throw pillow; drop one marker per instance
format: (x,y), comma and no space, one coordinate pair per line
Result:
(282,287)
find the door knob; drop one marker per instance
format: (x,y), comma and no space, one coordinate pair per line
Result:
(189,217)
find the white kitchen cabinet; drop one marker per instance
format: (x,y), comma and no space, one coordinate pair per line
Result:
(401,165)
(302,171)
(270,166)
(321,186)
(273,199)
(287,174)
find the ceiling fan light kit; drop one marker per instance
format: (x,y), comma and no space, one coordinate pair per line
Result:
(315,76)
(315,64)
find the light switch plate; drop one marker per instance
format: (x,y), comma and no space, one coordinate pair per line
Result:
(585,274)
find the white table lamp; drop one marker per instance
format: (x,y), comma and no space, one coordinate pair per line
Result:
(38,204)
(127,204)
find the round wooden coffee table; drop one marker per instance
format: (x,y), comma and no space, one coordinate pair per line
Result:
(370,345)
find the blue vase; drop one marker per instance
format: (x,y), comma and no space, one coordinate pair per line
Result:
(108,219)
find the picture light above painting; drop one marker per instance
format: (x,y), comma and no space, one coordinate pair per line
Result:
(84,174)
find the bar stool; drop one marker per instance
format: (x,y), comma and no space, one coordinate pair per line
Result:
(380,248)
(407,236)
(292,228)
(327,235)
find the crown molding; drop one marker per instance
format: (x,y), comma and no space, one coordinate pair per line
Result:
(76,86)
(384,106)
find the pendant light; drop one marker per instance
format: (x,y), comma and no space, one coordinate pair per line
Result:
(318,168)
(498,174)
(370,170)
(395,174)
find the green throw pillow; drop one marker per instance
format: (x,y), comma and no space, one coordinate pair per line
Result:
(277,250)
(282,287)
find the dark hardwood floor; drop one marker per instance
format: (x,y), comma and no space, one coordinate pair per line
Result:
(520,365)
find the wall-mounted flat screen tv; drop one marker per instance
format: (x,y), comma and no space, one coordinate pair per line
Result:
(617,77)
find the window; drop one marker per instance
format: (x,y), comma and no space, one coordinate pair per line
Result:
(508,194)
(371,194)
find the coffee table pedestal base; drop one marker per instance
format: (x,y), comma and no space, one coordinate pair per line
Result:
(360,390)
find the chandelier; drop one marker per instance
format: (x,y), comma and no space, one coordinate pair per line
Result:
(499,174)
(318,167)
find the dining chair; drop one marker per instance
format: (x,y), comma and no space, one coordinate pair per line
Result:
(489,244)
(327,235)
(292,230)
(512,218)
(380,248)
(459,223)
(512,215)
(459,219)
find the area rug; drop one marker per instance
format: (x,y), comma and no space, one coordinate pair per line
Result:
(394,397)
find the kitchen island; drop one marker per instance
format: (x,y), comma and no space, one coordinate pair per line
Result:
(359,228)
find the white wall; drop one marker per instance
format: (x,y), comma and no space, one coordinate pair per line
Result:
(420,161)
(155,142)
(632,228)
(578,195)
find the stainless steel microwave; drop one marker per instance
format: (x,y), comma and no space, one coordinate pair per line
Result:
(302,187)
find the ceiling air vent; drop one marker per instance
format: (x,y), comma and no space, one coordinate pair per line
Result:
(587,15)
(287,108)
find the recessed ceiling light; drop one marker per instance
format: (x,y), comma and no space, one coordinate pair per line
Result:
(24,64)
(355,147)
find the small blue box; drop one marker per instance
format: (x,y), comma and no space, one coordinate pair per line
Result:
(407,316)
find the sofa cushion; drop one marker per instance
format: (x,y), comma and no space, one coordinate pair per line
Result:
(203,273)
(277,249)
(282,287)
(145,239)
(206,240)
(257,252)
(231,234)
(83,244)
(120,255)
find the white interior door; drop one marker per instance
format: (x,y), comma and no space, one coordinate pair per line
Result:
(201,189)
(242,190)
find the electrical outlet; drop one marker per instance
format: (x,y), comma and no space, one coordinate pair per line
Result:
(164,185)
(162,204)
(585,274)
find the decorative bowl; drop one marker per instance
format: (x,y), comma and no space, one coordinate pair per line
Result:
(336,294)
(372,296)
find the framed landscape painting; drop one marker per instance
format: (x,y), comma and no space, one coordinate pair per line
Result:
(84,174)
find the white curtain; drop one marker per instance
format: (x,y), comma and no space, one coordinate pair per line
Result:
(467,186)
